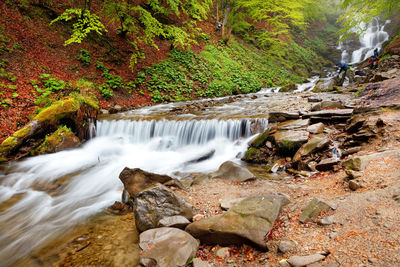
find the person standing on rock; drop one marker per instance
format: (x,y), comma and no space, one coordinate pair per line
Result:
(343,67)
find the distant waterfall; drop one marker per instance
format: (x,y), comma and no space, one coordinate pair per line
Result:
(354,51)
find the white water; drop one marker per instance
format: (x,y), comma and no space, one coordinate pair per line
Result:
(374,37)
(92,171)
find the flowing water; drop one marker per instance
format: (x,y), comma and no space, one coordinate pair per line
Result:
(43,197)
(355,51)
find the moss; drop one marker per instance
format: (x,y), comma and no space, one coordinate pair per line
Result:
(8,145)
(58,110)
(251,154)
(23,132)
(3,160)
(51,141)
(260,139)
(91,101)
(288,148)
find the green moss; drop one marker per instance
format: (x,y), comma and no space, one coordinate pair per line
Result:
(22,132)
(51,141)
(58,110)
(260,139)
(8,145)
(3,160)
(251,154)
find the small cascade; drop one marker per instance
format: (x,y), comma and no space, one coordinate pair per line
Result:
(355,51)
(179,133)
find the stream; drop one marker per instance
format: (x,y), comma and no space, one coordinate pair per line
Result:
(44,197)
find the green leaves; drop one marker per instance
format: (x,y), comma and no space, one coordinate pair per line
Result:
(85,23)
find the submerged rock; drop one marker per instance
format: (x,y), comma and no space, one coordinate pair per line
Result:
(246,222)
(167,247)
(233,172)
(158,202)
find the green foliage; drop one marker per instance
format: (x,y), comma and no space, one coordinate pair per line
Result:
(85,23)
(84,57)
(359,13)
(216,71)
(46,87)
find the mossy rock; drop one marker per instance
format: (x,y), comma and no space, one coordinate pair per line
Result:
(260,140)
(58,110)
(252,155)
(288,88)
(59,140)
(14,141)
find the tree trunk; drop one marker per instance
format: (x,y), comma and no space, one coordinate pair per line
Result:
(227,10)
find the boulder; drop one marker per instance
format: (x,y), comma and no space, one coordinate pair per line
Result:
(174,221)
(293,124)
(246,222)
(226,204)
(288,142)
(156,203)
(324,85)
(313,209)
(282,116)
(254,155)
(137,180)
(167,247)
(316,128)
(326,164)
(313,145)
(299,261)
(233,172)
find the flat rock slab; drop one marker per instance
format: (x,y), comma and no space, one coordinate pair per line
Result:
(288,142)
(361,162)
(167,247)
(313,209)
(246,222)
(293,124)
(282,116)
(330,113)
(233,172)
(299,261)
(155,203)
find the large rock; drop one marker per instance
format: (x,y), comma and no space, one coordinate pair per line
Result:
(158,202)
(359,163)
(299,261)
(167,247)
(174,221)
(313,209)
(288,142)
(313,145)
(136,180)
(329,115)
(282,116)
(293,124)
(246,222)
(233,172)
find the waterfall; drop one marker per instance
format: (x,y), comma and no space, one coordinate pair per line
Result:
(355,51)
(60,190)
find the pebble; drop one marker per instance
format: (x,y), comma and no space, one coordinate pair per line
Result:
(222,252)
(326,221)
(299,261)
